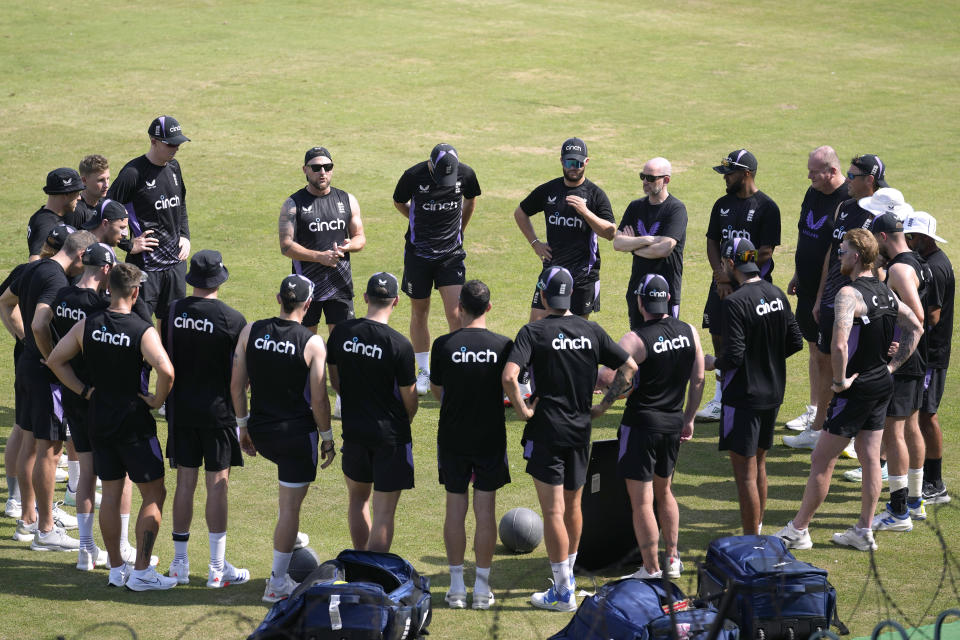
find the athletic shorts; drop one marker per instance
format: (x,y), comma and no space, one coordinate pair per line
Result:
(825,329)
(41,407)
(421,275)
(584,299)
(389,467)
(295,455)
(744,431)
(933,384)
(557,465)
(644,453)
(809,328)
(142,460)
(75,410)
(457,471)
(849,414)
(217,449)
(164,287)
(334,310)
(711,311)
(906,398)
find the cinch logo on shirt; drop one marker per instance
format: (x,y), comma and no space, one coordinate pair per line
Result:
(560,221)
(562,343)
(433,205)
(165,203)
(333,225)
(730,232)
(662,345)
(769,307)
(63,311)
(116,339)
(880,303)
(463,356)
(266,344)
(369,350)
(185,322)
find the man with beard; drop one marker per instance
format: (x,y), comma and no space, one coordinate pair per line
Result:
(63,190)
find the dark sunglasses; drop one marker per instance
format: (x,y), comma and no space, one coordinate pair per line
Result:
(747,255)
(854,176)
(650,178)
(572,164)
(316,167)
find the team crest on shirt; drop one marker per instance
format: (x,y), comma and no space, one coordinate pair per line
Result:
(340,208)
(456,189)
(151,184)
(308,208)
(724,212)
(174,176)
(642,229)
(814,225)
(750,215)
(424,188)
(551,199)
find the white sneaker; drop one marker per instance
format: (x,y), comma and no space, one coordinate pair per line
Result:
(162,411)
(129,555)
(917,511)
(54,540)
(710,412)
(13,508)
(25,532)
(643,574)
(551,600)
(674,568)
(229,575)
(62,474)
(483,600)
(87,560)
(806,439)
(793,538)
(849,451)
(179,570)
(456,600)
(62,461)
(149,580)
(279,591)
(337,408)
(852,537)
(804,420)
(63,519)
(856,475)
(70,499)
(302,541)
(887,521)
(119,575)
(423,382)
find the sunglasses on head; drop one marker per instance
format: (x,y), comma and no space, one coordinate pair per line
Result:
(328,167)
(570,163)
(727,162)
(747,255)
(650,178)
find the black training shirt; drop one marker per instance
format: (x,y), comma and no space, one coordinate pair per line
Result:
(870,338)
(279,378)
(668,219)
(321,222)
(850,215)
(940,295)
(39,227)
(814,237)
(916,364)
(756,218)
(37,285)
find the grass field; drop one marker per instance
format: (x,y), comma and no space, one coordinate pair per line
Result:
(379,83)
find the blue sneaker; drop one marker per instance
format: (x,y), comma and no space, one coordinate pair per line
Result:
(889,521)
(553,601)
(917,510)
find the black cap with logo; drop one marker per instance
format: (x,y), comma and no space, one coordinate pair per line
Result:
(655,293)
(556,286)
(98,255)
(383,285)
(573,149)
(316,152)
(739,160)
(63,180)
(445,163)
(167,129)
(743,254)
(107,210)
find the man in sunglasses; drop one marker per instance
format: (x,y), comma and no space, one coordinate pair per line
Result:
(654,230)
(743,212)
(152,190)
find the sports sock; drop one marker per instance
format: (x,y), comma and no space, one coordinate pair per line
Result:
(718,389)
(281,562)
(13,488)
(85,526)
(932,470)
(456,579)
(423,360)
(572,560)
(482,582)
(561,578)
(914,483)
(218,549)
(125,530)
(73,475)
(180,542)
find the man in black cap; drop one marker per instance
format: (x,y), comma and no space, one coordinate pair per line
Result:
(372,368)
(109,221)
(743,212)
(654,422)
(63,190)
(152,190)
(284,363)
(200,335)
(438,197)
(563,351)
(759,334)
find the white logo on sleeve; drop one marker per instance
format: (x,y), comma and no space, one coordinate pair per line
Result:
(563,343)
(368,350)
(465,356)
(266,344)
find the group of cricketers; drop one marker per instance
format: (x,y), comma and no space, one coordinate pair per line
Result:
(874,304)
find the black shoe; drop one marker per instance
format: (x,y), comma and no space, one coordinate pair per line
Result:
(935,492)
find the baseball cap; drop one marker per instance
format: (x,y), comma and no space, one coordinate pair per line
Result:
(573,149)
(873,166)
(739,160)
(167,129)
(296,287)
(886,200)
(63,180)
(743,254)
(107,210)
(556,285)
(98,255)
(316,152)
(207,270)
(655,293)
(923,223)
(382,285)
(887,223)
(58,235)
(445,164)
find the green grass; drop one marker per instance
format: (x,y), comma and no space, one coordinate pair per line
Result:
(379,83)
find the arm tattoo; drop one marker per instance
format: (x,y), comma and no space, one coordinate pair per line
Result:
(285,225)
(909,335)
(845,308)
(618,386)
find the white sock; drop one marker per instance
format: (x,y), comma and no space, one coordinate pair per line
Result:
(218,549)
(482,583)
(181,539)
(718,390)
(423,360)
(897,482)
(914,483)
(281,562)
(456,579)
(13,488)
(125,530)
(561,577)
(73,475)
(85,526)
(572,560)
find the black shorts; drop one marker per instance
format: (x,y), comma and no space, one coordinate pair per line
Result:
(41,408)
(825,329)
(421,275)
(933,384)
(644,453)
(295,455)
(809,328)
(389,467)
(75,410)
(335,311)
(744,431)
(906,398)
(711,311)
(584,299)
(557,465)
(163,288)
(217,449)
(849,414)
(140,459)
(457,471)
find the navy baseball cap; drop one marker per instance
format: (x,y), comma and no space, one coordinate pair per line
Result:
(63,180)
(316,152)
(445,162)
(167,129)
(383,285)
(107,210)
(743,254)
(296,287)
(887,223)
(739,160)
(556,286)
(207,270)
(573,149)
(58,235)
(872,166)
(98,255)
(655,293)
